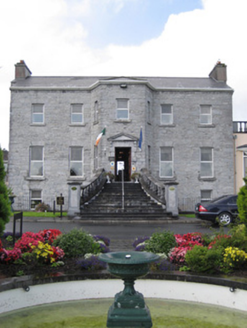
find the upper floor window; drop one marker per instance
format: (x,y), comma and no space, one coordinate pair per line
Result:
(206,162)
(166,162)
(77,116)
(166,114)
(206,114)
(36,161)
(122,109)
(96,111)
(38,113)
(76,161)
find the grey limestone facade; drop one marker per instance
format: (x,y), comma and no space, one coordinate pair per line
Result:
(186,126)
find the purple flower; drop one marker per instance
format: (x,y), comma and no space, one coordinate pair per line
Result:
(139,240)
(91,264)
(104,239)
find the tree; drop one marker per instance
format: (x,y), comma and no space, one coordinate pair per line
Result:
(242,203)
(5,209)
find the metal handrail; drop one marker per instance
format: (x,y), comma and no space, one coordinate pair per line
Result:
(94,186)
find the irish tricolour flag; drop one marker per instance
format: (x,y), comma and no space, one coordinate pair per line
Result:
(102,133)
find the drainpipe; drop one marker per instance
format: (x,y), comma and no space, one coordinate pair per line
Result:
(122,190)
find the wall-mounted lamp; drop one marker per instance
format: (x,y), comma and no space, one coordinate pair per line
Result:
(123,86)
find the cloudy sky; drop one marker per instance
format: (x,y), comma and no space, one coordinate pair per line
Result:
(123,37)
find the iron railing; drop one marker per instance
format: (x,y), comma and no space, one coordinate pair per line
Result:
(152,187)
(93,188)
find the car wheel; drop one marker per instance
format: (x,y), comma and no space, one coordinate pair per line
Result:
(225,218)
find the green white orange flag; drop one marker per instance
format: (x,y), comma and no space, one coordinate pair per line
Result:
(102,133)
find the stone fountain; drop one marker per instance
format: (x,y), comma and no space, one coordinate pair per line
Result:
(129,308)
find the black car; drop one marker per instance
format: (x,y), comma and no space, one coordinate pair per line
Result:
(224,208)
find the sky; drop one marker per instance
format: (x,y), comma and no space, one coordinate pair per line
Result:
(176,38)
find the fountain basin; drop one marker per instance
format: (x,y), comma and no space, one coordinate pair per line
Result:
(128,264)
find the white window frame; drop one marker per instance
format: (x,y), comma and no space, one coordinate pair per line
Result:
(76,163)
(38,116)
(122,109)
(34,162)
(168,163)
(205,114)
(166,118)
(205,162)
(77,114)
(34,201)
(204,198)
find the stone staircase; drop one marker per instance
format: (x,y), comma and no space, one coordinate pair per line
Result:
(137,204)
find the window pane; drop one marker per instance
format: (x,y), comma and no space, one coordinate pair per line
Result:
(245,166)
(77,108)
(166,169)
(205,194)
(122,114)
(206,154)
(37,153)
(166,119)
(122,103)
(38,108)
(76,118)
(36,193)
(37,118)
(76,153)
(205,109)
(205,119)
(76,168)
(36,169)
(166,154)
(206,170)
(166,109)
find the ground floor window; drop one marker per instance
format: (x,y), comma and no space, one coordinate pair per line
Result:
(35,198)
(206,195)
(166,162)
(207,162)
(76,161)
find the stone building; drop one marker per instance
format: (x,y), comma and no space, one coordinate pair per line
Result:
(180,129)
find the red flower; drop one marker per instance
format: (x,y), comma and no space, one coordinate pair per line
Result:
(50,234)
(28,239)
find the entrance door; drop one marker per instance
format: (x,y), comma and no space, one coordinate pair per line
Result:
(123,155)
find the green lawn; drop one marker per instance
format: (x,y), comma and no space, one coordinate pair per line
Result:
(42,214)
(187,215)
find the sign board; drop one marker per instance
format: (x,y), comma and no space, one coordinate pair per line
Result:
(120,166)
(60,200)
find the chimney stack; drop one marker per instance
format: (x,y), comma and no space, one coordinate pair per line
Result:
(219,72)
(21,70)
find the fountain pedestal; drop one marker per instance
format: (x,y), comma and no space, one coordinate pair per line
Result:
(129,308)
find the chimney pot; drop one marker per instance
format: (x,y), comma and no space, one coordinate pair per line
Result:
(219,73)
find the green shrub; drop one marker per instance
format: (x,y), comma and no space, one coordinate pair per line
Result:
(77,243)
(242,203)
(239,237)
(5,209)
(202,259)
(161,242)
(42,207)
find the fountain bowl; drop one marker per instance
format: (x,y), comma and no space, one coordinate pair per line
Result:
(128,264)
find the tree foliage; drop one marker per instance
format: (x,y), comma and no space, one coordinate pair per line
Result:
(242,203)
(5,209)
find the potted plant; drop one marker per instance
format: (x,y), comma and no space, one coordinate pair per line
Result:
(110,177)
(135,177)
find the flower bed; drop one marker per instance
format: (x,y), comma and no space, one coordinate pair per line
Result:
(50,251)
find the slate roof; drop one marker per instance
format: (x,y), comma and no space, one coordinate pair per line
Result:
(92,81)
